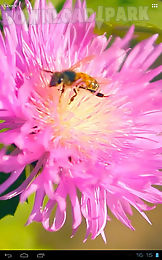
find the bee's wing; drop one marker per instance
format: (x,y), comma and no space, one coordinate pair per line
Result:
(84,60)
(105,86)
(103,81)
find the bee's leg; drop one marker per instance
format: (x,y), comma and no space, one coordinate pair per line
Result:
(76,92)
(61,89)
(101,95)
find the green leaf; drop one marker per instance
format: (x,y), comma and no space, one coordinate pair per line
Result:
(8,207)
(152,18)
(141,32)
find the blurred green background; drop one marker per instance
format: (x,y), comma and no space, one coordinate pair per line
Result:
(14,235)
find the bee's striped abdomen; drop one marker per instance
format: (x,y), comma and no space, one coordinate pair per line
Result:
(89,82)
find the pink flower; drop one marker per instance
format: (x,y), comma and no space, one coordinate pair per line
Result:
(107,149)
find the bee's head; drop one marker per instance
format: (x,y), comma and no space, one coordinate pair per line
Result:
(56,79)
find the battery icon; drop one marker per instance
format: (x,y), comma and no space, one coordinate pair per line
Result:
(157,255)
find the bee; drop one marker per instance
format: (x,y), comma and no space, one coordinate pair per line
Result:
(70,77)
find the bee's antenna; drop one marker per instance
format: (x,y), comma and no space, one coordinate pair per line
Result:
(48,71)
